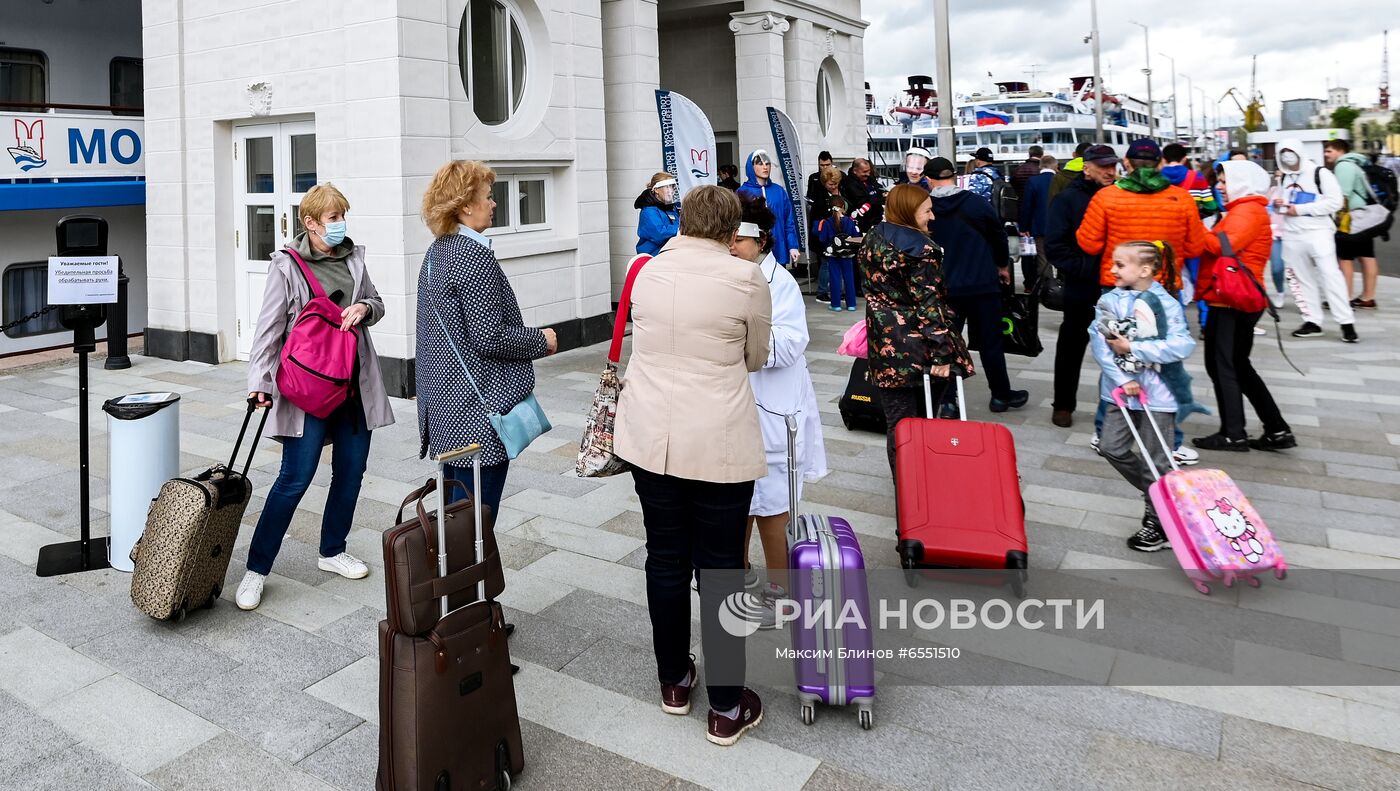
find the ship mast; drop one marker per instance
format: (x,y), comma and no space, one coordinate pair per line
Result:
(1385,69)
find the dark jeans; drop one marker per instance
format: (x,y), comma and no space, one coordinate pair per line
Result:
(1070,346)
(983,313)
(349,438)
(902,402)
(493,481)
(1229,338)
(841,279)
(694,526)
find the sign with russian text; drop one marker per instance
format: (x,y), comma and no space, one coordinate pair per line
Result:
(82,279)
(687,142)
(788,151)
(47,146)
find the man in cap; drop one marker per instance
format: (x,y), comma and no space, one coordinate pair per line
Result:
(1098,167)
(976,266)
(981,175)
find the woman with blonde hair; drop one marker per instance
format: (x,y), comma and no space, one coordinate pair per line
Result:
(660,217)
(469,325)
(338,266)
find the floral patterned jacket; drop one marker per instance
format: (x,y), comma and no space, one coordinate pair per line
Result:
(909,325)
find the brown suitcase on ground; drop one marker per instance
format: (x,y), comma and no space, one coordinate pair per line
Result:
(183,554)
(411,560)
(448,718)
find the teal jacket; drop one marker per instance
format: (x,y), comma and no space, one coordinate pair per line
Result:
(1351,174)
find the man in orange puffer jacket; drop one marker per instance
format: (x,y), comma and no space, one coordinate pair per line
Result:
(1142,205)
(1229,334)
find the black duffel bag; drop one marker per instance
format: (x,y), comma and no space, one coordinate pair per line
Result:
(860,404)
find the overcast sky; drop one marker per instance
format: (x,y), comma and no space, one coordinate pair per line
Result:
(1303,46)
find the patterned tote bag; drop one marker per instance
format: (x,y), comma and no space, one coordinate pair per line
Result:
(596,458)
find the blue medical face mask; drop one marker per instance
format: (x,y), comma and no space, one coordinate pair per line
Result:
(335,233)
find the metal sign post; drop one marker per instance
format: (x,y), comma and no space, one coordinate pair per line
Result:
(81,235)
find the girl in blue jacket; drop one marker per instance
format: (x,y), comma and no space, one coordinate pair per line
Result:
(661,216)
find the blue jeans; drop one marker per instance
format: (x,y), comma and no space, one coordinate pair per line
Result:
(1193,265)
(821,280)
(1276,265)
(349,439)
(493,482)
(841,278)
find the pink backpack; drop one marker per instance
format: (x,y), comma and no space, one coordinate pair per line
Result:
(319,361)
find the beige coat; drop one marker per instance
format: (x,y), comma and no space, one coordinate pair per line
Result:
(700,323)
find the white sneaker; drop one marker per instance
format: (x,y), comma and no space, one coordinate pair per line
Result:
(1186,456)
(250,591)
(344,564)
(1277,298)
(1260,331)
(1094,443)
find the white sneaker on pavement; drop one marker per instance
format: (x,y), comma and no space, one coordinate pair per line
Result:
(344,564)
(250,591)
(1186,456)
(1094,443)
(1277,299)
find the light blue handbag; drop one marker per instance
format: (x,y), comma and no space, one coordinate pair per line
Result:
(523,423)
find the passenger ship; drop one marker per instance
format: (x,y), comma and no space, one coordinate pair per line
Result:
(71,106)
(1008,120)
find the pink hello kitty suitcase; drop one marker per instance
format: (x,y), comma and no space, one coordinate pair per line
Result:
(1213,529)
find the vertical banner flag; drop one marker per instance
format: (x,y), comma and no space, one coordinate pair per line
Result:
(687,142)
(787,150)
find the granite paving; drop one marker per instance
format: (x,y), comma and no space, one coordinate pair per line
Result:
(95,695)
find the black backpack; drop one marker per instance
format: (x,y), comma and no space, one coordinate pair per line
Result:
(1006,202)
(1383,185)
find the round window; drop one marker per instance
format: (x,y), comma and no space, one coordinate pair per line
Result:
(828,87)
(492,58)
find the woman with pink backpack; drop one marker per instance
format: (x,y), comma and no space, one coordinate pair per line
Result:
(313,364)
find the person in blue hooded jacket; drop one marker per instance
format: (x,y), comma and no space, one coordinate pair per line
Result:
(660,217)
(787,244)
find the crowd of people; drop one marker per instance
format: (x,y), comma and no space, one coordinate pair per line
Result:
(720,336)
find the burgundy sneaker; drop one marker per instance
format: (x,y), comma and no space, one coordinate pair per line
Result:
(725,731)
(675,698)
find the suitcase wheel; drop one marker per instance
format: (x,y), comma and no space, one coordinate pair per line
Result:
(504,783)
(809,714)
(1253,582)
(1202,587)
(867,718)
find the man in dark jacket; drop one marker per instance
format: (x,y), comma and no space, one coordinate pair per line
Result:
(728,177)
(1026,171)
(1035,205)
(1079,271)
(863,195)
(976,266)
(818,205)
(1070,172)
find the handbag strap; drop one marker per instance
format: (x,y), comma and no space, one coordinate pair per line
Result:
(1273,314)
(451,344)
(311,281)
(1226,250)
(624,307)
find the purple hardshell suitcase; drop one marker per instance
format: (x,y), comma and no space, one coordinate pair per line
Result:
(827,565)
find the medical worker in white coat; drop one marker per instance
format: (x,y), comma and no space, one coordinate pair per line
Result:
(782,387)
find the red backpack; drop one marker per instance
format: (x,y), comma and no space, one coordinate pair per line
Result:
(320,362)
(1231,283)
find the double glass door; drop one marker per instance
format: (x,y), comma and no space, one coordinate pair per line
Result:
(274,165)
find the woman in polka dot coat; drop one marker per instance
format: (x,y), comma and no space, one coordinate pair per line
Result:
(482,319)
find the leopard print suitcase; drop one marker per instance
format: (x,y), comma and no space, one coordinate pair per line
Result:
(183,555)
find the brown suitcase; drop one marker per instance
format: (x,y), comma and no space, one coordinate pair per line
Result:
(411,559)
(183,554)
(448,718)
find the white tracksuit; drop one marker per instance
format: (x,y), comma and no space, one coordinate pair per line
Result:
(1309,242)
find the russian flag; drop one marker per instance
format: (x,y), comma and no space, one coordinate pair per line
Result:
(987,117)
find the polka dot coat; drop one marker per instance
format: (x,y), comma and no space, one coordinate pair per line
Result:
(482,318)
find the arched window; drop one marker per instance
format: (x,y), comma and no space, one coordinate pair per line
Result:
(492,57)
(824,99)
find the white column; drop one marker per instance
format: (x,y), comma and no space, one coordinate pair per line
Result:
(759,69)
(631,75)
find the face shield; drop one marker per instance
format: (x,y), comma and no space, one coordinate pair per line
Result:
(914,164)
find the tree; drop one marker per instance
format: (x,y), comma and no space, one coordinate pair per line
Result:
(1345,118)
(1394,124)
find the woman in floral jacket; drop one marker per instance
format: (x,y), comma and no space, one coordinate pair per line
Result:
(908,323)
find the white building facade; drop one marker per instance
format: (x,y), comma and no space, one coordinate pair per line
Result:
(249,103)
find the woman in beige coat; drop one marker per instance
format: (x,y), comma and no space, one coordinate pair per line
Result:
(686,422)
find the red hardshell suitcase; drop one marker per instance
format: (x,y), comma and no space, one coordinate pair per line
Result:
(958,496)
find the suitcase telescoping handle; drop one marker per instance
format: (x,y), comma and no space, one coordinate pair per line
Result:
(1120,398)
(928,398)
(791,421)
(233,457)
(442,459)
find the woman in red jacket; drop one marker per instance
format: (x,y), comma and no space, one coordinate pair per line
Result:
(1229,335)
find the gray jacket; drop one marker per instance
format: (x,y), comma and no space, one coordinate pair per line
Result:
(284,295)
